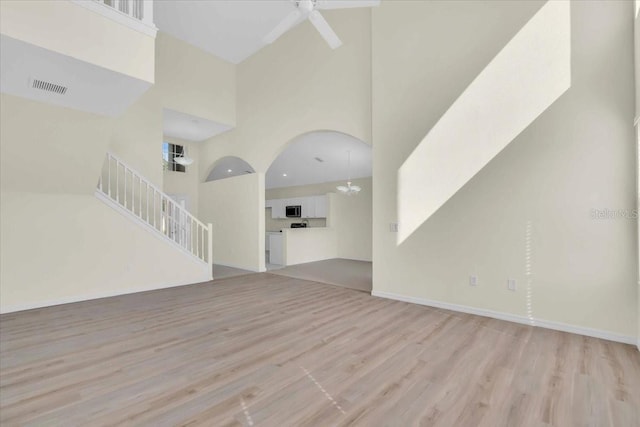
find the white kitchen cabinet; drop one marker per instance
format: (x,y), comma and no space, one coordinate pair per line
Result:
(276,252)
(278,208)
(321,207)
(311,206)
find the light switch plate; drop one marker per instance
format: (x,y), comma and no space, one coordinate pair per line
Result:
(511,284)
(473,280)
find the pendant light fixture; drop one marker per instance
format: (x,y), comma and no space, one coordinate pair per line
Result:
(349,189)
(182,158)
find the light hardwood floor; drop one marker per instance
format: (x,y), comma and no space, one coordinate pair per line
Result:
(268,350)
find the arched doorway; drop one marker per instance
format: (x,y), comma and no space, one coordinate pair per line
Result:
(312,230)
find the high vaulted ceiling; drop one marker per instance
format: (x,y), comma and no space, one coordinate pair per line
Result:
(236,29)
(231,30)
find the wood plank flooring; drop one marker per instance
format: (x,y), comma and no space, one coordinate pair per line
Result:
(268,350)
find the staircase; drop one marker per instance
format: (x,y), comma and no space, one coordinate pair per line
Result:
(125,189)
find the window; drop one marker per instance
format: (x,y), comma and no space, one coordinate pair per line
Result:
(169,152)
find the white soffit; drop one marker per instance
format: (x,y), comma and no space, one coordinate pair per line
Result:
(186,126)
(88,87)
(298,160)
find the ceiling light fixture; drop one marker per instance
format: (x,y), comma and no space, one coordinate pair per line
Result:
(349,189)
(182,158)
(229,171)
(284,174)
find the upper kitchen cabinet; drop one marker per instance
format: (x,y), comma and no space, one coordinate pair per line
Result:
(310,207)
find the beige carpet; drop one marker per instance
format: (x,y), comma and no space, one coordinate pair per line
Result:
(340,272)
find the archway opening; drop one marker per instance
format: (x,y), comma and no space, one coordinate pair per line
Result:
(312,230)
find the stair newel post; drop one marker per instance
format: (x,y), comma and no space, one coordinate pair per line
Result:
(210,245)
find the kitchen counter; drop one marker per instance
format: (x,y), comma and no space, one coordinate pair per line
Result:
(309,244)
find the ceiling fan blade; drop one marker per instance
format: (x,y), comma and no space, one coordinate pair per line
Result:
(324,29)
(285,25)
(345,4)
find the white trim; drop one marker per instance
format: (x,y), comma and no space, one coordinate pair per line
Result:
(547,324)
(130,215)
(636,120)
(239,268)
(119,17)
(87,297)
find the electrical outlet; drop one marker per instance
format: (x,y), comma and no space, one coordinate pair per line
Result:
(473,280)
(511,284)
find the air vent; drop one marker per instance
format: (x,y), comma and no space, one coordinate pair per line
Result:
(318,159)
(49,87)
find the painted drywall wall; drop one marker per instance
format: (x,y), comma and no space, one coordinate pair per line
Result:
(184,183)
(298,85)
(58,154)
(636,29)
(311,244)
(195,82)
(531,206)
(59,248)
(235,207)
(137,134)
(294,86)
(70,29)
(46,149)
(350,216)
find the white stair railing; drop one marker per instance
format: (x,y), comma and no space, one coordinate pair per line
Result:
(124,186)
(141,10)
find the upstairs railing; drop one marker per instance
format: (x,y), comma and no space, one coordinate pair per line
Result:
(122,185)
(141,10)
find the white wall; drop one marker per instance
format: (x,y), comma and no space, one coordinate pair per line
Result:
(58,248)
(350,216)
(535,198)
(195,82)
(47,149)
(309,244)
(70,29)
(637,81)
(235,207)
(295,86)
(184,183)
(59,242)
(298,85)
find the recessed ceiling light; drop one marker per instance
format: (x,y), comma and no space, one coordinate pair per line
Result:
(229,171)
(284,174)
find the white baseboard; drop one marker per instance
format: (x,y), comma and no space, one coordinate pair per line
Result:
(86,297)
(239,267)
(547,324)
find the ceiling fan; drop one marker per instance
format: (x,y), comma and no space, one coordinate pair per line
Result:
(308,9)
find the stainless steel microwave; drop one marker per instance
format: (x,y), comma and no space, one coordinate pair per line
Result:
(293,211)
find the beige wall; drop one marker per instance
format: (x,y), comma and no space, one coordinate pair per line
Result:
(637,81)
(46,149)
(308,245)
(350,216)
(184,183)
(235,207)
(55,236)
(195,82)
(577,156)
(295,86)
(58,248)
(298,85)
(70,29)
